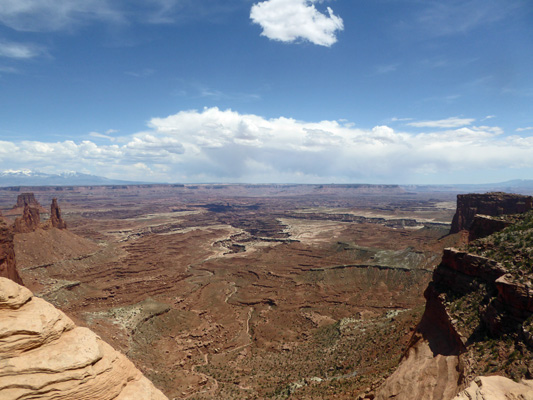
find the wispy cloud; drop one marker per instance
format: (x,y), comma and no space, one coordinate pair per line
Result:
(293,20)
(56,15)
(142,73)
(529,128)
(386,69)
(461,16)
(20,51)
(219,95)
(452,122)
(8,70)
(200,90)
(396,119)
(42,16)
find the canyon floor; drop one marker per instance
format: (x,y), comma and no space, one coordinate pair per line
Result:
(242,292)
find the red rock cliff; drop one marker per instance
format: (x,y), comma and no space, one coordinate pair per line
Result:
(478,316)
(493,204)
(7,254)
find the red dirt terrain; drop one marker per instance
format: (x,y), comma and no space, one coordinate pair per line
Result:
(239,291)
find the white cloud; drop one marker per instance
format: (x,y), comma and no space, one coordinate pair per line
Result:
(452,122)
(19,50)
(224,145)
(396,119)
(290,20)
(529,128)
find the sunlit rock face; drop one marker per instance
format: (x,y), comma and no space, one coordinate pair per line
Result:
(468,205)
(44,355)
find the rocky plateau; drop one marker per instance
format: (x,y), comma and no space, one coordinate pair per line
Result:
(289,291)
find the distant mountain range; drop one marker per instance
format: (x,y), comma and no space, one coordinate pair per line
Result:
(35,178)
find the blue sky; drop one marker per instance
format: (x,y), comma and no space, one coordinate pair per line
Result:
(376,91)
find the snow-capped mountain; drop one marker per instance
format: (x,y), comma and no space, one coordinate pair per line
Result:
(27,177)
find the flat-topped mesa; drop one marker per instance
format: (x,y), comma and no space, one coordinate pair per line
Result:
(55,220)
(44,355)
(491,204)
(26,198)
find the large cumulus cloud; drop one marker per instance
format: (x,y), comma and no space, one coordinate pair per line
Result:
(224,145)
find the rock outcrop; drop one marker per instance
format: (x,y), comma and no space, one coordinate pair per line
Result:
(44,355)
(55,220)
(29,221)
(7,254)
(478,317)
(485,225)
(493,204)
(497,388)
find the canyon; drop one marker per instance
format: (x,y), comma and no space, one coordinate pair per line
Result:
(264,291)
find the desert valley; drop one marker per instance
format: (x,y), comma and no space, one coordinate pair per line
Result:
(283,291)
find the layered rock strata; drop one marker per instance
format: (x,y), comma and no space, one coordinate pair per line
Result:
(44,355)
(478,319)
(497,203)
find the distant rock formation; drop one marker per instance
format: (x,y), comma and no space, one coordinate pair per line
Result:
(7,254)
(29,221)
(26,198)
(492,204)
(55,220)
(43,355)
(31,218)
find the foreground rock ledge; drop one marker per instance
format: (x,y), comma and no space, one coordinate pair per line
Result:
(43,355)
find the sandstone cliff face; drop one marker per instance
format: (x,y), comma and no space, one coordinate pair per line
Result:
(485,225)
(497,388)
(468,205)
(478,320)
(44,355)
(7,254)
